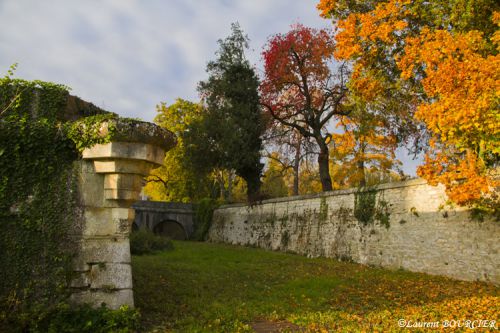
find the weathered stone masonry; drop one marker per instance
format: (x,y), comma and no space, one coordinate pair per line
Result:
(422,233)
(110,181)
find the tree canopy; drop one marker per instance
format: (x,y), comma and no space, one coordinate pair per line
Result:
(440,61)
(228,135)
(300,91)
(364,146)
(178,180)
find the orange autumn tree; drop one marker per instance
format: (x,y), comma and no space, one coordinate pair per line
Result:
(462,82)
(369,34)
(443,57)
(309,178)
(365,147)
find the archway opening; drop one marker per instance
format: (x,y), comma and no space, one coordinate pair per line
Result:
(171,229)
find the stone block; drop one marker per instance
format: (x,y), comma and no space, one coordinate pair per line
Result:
(91,187)
(108,221)
(105,250)
(123,181)
(125,150)
(123,166)
(112,298)
(122,194)
(81,279)
(110,276)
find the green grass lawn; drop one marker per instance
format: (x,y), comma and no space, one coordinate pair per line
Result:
(203,287)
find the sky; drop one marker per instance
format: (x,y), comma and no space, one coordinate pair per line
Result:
(127,56)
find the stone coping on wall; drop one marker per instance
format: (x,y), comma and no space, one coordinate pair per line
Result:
(109,127)
(385,186)
(122,152)
(160,210)
(161,206)
(132,130)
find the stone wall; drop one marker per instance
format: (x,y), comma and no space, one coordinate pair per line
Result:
(407,226)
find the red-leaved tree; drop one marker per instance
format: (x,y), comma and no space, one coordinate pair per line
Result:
(300,90)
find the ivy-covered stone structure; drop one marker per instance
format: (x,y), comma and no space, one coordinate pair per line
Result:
(69,172)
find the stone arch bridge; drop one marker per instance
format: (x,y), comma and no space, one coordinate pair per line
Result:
(171,219)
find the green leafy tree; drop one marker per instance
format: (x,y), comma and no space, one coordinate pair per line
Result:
(273,184)
(176,180)
(228,136)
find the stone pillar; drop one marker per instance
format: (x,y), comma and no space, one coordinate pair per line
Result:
(110,181)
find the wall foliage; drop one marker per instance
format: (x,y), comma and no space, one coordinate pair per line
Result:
(39,205)
(203,218)
(37,199)
(367,209)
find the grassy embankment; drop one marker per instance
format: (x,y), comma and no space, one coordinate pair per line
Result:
(201,287)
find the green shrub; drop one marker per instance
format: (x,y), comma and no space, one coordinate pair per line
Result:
(64,318)
(203,218)
(87,319)
(144,241)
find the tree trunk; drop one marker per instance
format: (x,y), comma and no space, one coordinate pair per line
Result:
(296,165)
(324,170)
(253,188)
(230,179)
(222,185)
(361,173)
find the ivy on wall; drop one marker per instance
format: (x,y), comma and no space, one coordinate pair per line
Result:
(367,209)
(38,199)
(40,217)
(88,131)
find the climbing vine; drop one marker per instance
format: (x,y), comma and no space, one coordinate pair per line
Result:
(90,131)
(323,210)
(364,205)
(203,218)
(367,209)
(40,214)
(37,199)
(383,213)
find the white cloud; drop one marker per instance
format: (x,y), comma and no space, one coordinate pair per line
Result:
(129,55)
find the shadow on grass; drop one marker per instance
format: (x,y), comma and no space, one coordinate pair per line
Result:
(202,287)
